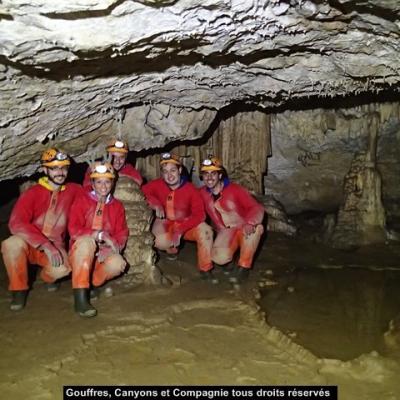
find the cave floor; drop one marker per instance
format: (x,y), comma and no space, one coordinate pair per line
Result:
(321,302)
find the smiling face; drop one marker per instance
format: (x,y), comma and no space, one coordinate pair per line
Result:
(212,180)
(102,187)
(118,160)
(171,173)
(57,175)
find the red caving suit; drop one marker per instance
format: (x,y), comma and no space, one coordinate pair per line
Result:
(185,217)
(234,208)
(39,216)
(89,216)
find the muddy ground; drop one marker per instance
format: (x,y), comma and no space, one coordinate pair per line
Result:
(202,334)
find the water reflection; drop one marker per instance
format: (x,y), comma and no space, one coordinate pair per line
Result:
(335,313)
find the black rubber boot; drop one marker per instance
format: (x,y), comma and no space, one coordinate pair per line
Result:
(239,275)
(228,269)
(242,274)
(94,293)
(209,276)
(82,304)
(103,291)
(18,300)
(53,287)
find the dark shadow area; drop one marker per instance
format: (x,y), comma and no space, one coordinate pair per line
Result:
(364,8)
(74,15)
(77,172)
(9,190)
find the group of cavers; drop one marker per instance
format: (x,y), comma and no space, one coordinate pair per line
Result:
(52,210)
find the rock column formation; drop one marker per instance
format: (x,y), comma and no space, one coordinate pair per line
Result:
(361,218)
(139,252)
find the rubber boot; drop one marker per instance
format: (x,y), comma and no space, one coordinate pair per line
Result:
(239,275)
(82,304)
(242,274)
(103,291)
(172,254)
(94,293)
(228,269)
(209,276)
(53,287)
(18,300)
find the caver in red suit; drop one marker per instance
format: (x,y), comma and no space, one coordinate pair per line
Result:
(98,231)
(236,216)
(88,217)
(38,224)
(184,217)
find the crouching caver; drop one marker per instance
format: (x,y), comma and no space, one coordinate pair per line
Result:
(236,216)
(179,214)
(98,231)
(38,224)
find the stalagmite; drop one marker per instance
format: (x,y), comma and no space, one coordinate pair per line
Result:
(139,252)
(361,218)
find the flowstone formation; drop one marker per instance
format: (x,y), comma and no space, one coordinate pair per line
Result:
(71,71)
(361,218)
(138,252)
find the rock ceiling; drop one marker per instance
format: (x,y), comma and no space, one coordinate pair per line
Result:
(72,71)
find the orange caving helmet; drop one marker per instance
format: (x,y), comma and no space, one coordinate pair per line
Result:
(101,169)
(170,158)
(54,157)
(117,146)
(211,164)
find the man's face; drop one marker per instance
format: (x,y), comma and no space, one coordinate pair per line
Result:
(171,173)
(102,186)
(57,175)
(211,178)
(118,160)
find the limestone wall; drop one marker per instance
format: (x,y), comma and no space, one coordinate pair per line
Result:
(312,152)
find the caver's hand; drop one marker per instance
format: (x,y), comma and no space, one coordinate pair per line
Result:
(53,254)
(106,238)
(160,213)
(176,239)
(248,229)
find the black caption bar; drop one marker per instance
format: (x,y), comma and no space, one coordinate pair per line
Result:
(200,392)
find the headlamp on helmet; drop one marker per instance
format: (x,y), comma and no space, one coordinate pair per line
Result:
(102,170)
(54,158)
(117,146)
(211,164)
(169,158)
